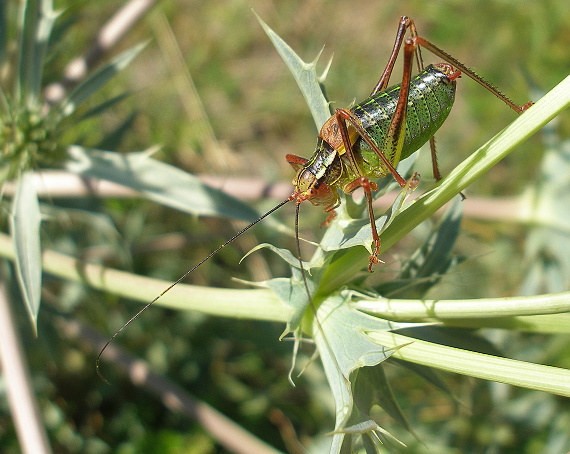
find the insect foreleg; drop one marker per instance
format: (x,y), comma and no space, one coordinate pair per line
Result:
(296,161)
(369,186)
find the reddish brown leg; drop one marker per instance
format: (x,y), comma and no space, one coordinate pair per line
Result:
(331,214)
(394,142)
(296,161)
(435,168)
(368,187)
(469,72)
(405,24)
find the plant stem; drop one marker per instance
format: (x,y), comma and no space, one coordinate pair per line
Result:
(23,405)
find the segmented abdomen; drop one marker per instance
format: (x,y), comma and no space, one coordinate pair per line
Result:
(430,101)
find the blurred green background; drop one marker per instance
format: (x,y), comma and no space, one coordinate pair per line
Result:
(227,106)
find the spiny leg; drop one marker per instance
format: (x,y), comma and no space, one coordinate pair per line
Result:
(469,72)
(394,142)
(405,24)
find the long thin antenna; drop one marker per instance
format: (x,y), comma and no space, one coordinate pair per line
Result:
(181,278)
(311,302)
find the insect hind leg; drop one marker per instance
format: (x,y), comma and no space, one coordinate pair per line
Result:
(393,142)
(405,24)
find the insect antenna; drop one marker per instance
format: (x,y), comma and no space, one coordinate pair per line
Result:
(310,297)
(181,278)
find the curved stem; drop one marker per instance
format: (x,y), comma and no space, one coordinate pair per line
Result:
(258,304)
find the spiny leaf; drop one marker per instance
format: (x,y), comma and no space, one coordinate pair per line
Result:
(305,74)
(158,181)
(342,337)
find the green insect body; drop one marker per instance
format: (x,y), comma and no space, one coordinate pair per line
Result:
(429,103)
(369,140)
(430,100)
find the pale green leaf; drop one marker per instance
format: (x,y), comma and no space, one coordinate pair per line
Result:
(306,76)
(285,254)
(25,229)
(341,335)
(158,181)
(98,79)
(36,22)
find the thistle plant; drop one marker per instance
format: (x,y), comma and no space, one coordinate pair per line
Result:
(31,131)
(357,328)
(348,340)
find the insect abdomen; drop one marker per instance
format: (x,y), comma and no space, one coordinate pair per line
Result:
(429,103)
